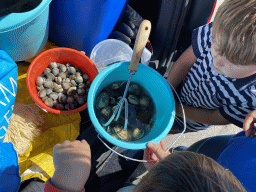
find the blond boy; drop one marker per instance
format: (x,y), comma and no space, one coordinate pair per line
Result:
(218,71)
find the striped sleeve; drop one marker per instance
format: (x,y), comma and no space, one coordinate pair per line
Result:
(201,39)
(235,114)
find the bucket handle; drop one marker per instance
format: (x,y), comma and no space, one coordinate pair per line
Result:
(149,161)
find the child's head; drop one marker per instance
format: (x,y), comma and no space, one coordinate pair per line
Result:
(234,36)
(188,171)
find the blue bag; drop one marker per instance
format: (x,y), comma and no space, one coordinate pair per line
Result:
(239,156)
(9,169)
(8,90)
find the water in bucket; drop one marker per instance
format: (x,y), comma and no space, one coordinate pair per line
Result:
(141,110)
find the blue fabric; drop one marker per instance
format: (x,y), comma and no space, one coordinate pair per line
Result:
(9,168)
(239,156)
(8,90)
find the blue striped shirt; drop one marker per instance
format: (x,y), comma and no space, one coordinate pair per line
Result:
(204,87)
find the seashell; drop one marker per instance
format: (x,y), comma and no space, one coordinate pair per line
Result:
(137,133)
(81,86)
(67,80)
(53,65)
(58,80)
(71,90)
(88,84)
(123,135)
(70,106)
(49,102)
(54,85)
(40,80)
(48,83)
(102,100)
(73,83)
(55,71)
(81,91)
(144,116)
(85,77)
(78,74)
(44,98)
(42,93)
(134,89)
(58,88)
(54,96)
(47,71)
(76,96)
(81,100)
(72,70)
(133,99)
(50,76)
(62,68)
(39,88)
(62,98)
(112,100)
(69,65)
(70,99)
(62,75)
(115,85)
(79,79)
(144,102)
(48,91)
(72,77)
(106,111)
(66,86)
(60,106)
(55,102)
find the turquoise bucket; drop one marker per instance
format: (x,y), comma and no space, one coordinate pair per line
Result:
(156,86)
(24,35)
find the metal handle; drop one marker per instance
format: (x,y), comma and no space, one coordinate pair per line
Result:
(140,43)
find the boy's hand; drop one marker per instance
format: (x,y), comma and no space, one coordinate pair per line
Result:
(72,162)
(249,126)
(154,152)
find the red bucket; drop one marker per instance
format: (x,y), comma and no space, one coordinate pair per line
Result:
(59,55)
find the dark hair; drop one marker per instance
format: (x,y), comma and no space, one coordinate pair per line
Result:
(188,171)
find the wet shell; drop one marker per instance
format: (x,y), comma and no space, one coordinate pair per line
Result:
(79,79)
(71,90)
(81,91)
(58,80)
(134,89)
(72,77)
(66,86)
(81,86)
(67,80)
(47,71)
(62,98)
(55,72)
(44,98)
(54,96)
(53,65)
(78,74)
(81,100)
(123,135)
(39,88)
(69,106)
(144,116)
(48,83)
(133,99)
(62,68)
(115,85)
(85,77)
(62,75)
(102,100)
(60,106)
(42,93)
(137,133)
(72,70)
(48,91)
(144,102)
(73,83)
(70,99)
(106,111)
(49,102)
(40,80)
(50,76)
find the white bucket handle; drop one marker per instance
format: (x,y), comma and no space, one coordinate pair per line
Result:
(148,161)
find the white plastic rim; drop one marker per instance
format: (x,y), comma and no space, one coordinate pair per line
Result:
(111,51)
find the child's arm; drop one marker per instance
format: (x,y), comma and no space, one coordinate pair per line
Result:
(249,122)
(200,115)
(181,67)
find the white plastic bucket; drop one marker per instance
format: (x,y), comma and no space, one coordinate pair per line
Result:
(112,51)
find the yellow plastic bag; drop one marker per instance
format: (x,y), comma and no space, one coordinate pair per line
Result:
(37,162)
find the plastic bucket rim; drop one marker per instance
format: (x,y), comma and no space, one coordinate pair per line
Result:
(37,11)
(107,136)
(29,85)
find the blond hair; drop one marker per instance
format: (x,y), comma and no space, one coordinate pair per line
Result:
(188,171)
(234,31)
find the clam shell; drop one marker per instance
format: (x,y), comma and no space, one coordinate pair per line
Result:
(55,71)
(54,96)
(70,99)
(47,71)
(62,68)
(62,98)
(133,99)
(49,102)
(79,79)
(85,77)
(62,75)
(40,81)
(58,80)
(102,100)
(48,91)
(50,76)
(81,91)
(53,65)
(72,70)
(66,86)
(144,102)
(48,83)
(137,133)
(123,135)
(134,89)
(71,90)
(42,93)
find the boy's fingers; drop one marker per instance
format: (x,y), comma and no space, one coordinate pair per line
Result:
(160,153)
